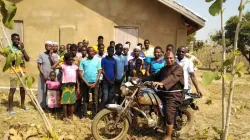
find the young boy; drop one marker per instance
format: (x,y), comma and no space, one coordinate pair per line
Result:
(92,71)
(121,68)
(109,74)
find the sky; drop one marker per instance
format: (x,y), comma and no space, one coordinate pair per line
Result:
(213,23)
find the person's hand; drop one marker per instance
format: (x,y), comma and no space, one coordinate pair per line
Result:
(20,45)
(45,78)
(78,91)
(89,85)
(157,84)
(93,85)
(199,93)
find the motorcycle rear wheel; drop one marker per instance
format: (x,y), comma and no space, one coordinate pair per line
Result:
(188,114)
(106,114)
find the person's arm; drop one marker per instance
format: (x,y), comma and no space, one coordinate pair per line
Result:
(25,55)
(39,67)
(115,70)
(173,78)
(103,72)
(194,81)
(56,66)
(77,82)
(81,76)
(152,77)
(99,67)
(148,69)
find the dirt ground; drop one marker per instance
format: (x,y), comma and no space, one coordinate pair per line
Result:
(206,125)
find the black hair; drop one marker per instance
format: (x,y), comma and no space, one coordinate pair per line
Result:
(80,49)
(88,49)
(68,44)
(99,45)
(79,42)
(118,45)
(67,56)
(128,42)
(170,45)
(111,42)
(138,61)
(139,44)
(52,72)
(13,35)
(73,46)
(100,37)
(146,40)
(158,47)
(110,47)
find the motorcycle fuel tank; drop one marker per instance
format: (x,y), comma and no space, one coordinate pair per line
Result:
(147,97)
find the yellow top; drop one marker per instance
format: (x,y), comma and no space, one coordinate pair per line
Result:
(96,49)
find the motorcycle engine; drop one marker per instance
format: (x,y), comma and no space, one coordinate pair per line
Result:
(152,120)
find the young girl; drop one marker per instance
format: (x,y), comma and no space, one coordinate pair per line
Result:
(138,71)
(53,94)
(69,84)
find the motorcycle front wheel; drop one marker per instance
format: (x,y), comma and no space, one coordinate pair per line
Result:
(104,127)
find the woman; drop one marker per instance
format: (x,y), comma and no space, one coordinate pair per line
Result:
(155,64)
(132,62)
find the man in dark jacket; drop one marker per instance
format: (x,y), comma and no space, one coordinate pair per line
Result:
(170,78)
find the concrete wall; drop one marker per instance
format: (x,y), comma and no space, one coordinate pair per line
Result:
(42,20)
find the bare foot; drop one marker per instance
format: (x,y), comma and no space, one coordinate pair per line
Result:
(167,138)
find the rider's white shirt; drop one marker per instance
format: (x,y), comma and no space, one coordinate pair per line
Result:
(188,67)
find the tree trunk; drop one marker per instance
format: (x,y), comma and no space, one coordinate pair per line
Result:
(231,90)
(223,68)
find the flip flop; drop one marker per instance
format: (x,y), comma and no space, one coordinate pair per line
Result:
(26,108)
(12,112)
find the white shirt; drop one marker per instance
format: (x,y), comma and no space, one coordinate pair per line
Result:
(100,59)
(188,67)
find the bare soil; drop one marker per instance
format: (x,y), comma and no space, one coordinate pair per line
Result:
(206,125)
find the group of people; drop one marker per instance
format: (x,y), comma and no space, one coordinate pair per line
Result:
(68,74)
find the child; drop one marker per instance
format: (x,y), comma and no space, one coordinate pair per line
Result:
(109,73)
(53,94)
(138,71)
(69,84)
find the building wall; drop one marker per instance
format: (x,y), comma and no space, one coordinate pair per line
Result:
(42,20)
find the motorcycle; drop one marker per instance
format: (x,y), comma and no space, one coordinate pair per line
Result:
(141,105)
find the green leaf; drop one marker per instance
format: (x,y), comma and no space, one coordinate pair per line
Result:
(53,134)
(241,8)
(30,80)
(217,75)
(208,77)
(6,67)
(217,64)
(238,66)
(228,62)
(228,77)
(5,51)
(236,53)
(8,63)
(19,58)
(209,0)
(8,11)
(242,71)
(215,8)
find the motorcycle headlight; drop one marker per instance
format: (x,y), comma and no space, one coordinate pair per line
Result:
(124,90)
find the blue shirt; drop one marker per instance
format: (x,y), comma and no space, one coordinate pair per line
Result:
(109,66)
(121,62)
(90,69)
(155,66)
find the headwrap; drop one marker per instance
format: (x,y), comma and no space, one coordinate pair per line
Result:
(138,48)
(55,43)
(49,42)
(126,46)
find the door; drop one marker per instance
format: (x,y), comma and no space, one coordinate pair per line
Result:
(124,34)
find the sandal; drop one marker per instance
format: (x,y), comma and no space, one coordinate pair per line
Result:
(26,108)
(12,112)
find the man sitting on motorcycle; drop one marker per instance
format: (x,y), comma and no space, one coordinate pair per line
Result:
(169,78)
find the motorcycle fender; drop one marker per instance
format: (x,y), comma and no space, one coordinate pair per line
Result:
(119,108)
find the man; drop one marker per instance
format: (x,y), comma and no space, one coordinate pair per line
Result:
(44,63)
(55,57)
(100,40)
(148,52)
(90,77)
(68,47)
(169,48)
(17,46)
(85,43)
(169,78)
(109,73)
(112,43)
(100,55)
(188,68)
(121,68)
(62,50)
(79,48)
(195,60)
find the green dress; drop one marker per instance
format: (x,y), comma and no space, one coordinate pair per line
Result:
(68,94)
